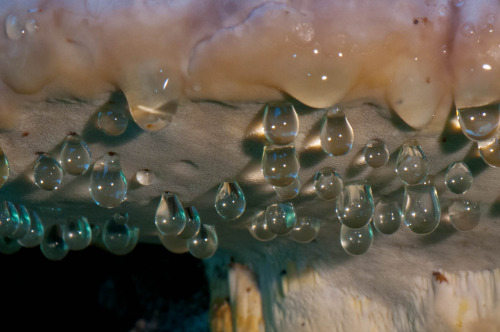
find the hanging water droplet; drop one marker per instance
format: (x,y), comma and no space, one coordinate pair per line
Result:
(115,236)
(145,177)
(35,234)
(356,241)
(75,155)
(31,26)
(281,123)
(259,228)
(132,242)
(9,246)
(464,215)
(170,217)
(288,192)
(421,210)
(13,28)
(77,233)
(24,222)
(490,152)
(4,168)
(336,134)
(173,243)
(9,219)
(412,165)
(47,173)
(281,218)
(387,216)
(230,200)
(458,3)
(376,153)
(108,186)
(479,123)
(205,243)
(193,223)
(355,205)
(53,245)
(280,165)
(113,121)
(328,183)
(306,229)
(458,178)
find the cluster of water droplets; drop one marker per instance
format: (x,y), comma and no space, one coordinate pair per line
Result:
(16,28)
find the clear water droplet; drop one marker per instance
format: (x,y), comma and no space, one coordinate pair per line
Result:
(75,155)
(145,177)
(288,192)
(53,245)
(387,216)
(479,123)
(281,218)
(355,205)
(9,219)
(170,217)
(31,26)
(121,218)
(9,246)
(468,29)
(77,233)
(108,186)
(259,228)
(458,3)
(464,215)
(490,152)
(421,209)
(280,165)
(35,234)
(205,243)
(230,200)
(24,222)
(13,28)
(113,121)
(4,168)
(281,123)
(356,241)
(115,236)
(336,133)
(132,242)
(458,178)
(193,223)
(328,183)
(376,153)
(412,165)
(306,229)
(48,173)
(173,243)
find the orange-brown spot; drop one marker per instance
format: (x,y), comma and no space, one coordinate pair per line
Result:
(24,134)
(439,277)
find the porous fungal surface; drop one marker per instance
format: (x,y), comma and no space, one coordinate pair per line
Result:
(183,92)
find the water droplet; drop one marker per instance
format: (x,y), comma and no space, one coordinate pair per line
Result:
(31,26)
(412,165)
(9,246)
(230,201)
(145,177)
(9,219)
(376,153)
(170,217)
(328,183)
(193,223)
(108,186)
(174,244)
(479,123)
(115,236)
(4,168)
(306,229)
(35,234)
(53,245)
(336,134)
(442,10)
(421,210)
(458,178)
(77,233)
(121,218)
(280,165)
(205,243)
(387,216)
(24,222)
(464,215)
(288,192)
(132,242)
(281,218)
(75,155)
(259,228)
(468,30)
(490,152)
(13,28)
(458,3)
(48,173)
(356,241)
(355,205)
(113,121)
(281,123)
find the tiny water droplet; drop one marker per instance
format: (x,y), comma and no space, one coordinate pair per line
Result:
(281,123)
(479,123)
(288,192)
(35,234)
(31,26)
(145,177)
(193,223)
(13,28)
(132,242)
(281,218)
(387,216)
(53,245)
(355,205)
(458,178)
(280,165)
(464,215)
(421,210)
(115,236)
(259,228)
(468,30)
(113,121)
(205,243)
(328,183)
(490,152)
(230,200)
(4,168)
(121,218)
(170,217)
(336,133)
(458,3)
(376,153)
(108,186)
(77,233)
(306,229)
(48,173)
(24,222)
(356,241)
(9,219)
(173,243)
(412,165)
(75,155)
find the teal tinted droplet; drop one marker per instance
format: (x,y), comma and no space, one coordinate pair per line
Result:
(490,152)
(464,215)
(355,205)
(280,165)
(336,133)
(75,155)
(53,245)
(458,178)
(421,209)
(173,243)
(9,246)
(121,218)
(356,241)
(193,223)
(387,216)
(288,192)
(115,236)
(328,183)
(132,243)
(48,173)
(479,123)
(230,200)
(259,228)
(24,222)
(145,177)
(4,168)
(13,27)
(35,234)
(205,243)
(281,123)
(170,217)
(376,153)
(281,218)
(77,233)
(9,219)
(113,121)
(306,229)
(108,186)
(412,165)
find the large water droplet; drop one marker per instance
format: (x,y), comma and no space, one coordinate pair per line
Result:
(193,223)
(24,222)
(490,152)
(355,205)
(376,153)
(53,245)
(230,201)
(9,219)
(306,229)
(421,210)
(336,134)
(132,242)
(280,165)
(4,168)
(328,183)
(412,165)
(113,121)
(479,123)
(145,177)
(259,228)
(458,178)
(9,246)
(170,217)
(205,243)
(288,192)
(464,215)
(356,241)
(75,155)
(115,236)
(173,243)
(13,27)
(47,173)
(77,233)
(35,234)
(281,123)
(108,186)
(281,218)
(387,216)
